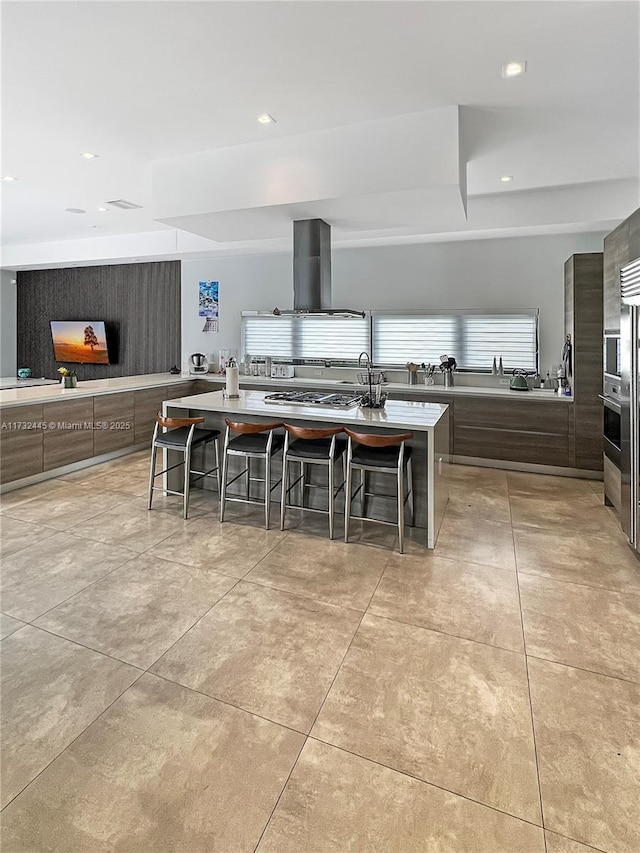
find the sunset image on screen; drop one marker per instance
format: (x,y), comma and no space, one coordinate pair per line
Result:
(80,342)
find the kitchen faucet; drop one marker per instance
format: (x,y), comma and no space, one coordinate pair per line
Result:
(367,357)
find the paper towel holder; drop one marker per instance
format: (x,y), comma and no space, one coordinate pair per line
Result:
(225,393)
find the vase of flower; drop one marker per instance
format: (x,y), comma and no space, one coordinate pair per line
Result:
(69,378)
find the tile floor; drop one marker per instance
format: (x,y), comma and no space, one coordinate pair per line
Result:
(180,687)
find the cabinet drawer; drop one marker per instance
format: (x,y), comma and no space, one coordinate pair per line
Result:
(21,442)
(182,389)
(115,411)
(612,484)
(525,415)
(512,445)
(146,405)
(72,438)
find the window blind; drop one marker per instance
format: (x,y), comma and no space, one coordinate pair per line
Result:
(266,334)
(398,339)
(473,338)
(333,338)
(305,337)
(514,337)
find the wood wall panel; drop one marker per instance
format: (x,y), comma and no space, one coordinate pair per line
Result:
(140,303)
(21,445)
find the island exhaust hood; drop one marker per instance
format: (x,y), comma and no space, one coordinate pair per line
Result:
(312,269)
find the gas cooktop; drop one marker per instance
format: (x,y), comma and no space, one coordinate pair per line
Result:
(314,398)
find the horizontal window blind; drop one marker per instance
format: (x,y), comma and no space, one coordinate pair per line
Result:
(307,336)
(266,334)
(513,337)
(333,338)
(419,338)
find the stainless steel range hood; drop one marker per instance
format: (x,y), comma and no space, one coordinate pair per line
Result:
(312,269)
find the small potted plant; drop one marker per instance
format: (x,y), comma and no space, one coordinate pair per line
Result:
(69,377)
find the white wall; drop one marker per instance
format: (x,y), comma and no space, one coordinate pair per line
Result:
(510,273)
(8,301)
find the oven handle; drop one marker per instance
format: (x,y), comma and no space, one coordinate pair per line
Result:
(614,405)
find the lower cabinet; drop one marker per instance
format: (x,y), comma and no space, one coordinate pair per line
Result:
(146,405)
(535,432)
(21,442)
(113,422)
(69,434)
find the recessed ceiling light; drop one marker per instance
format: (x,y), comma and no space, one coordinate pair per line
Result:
(506,179)
(515,68)
(74,210)
(101,209)
(94,226)
(266,119)
(88,155)
(8,178)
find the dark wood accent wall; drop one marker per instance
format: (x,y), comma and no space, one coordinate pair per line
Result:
(583,289)
(140,304)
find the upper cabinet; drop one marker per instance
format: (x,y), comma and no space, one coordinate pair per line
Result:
(620,247)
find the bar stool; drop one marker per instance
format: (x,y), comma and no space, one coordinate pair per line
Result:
(382,454)
(182,436)
(254,441)
(311,447)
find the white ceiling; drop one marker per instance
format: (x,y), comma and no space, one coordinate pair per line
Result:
(140,81)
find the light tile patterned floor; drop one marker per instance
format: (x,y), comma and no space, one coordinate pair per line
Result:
(177,687)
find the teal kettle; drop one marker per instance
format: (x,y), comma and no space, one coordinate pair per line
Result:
(519,380)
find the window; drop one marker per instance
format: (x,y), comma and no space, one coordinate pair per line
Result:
(393,338)
(514,337)
(473,338)
(399,338)
(306,337)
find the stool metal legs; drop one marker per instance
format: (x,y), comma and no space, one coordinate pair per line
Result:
(402,497)
(186,475)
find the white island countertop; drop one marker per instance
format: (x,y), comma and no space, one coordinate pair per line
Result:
(397,414)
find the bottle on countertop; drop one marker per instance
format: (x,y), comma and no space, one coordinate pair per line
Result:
(500,368)
(494,369)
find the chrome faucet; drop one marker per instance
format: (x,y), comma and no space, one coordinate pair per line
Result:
(367,357)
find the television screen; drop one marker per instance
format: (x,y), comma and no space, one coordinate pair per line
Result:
(81,342)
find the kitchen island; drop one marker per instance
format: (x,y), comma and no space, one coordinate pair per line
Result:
(430,444)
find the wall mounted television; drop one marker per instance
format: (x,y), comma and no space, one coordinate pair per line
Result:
(80,342)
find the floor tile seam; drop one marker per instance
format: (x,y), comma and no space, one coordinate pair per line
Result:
(631,681)
(433,554)
(226,702)
(577,583)
(196,566)
(409,775)
(85,646)
(22,547)
(77,592)
(446,633)
(344,656)
(529,697)
(68,530)
(567,582)
(280,795)
(191,627)
(120,660)
(71,742)
(577,840)
(264,585)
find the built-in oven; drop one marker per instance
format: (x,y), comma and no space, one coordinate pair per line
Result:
(612,358)
(612,418)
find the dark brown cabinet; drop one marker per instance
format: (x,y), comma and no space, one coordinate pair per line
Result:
(69,434)
(146,404)
(583,287)
(535,432)
(113,421)
(616,255)
(21,442)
